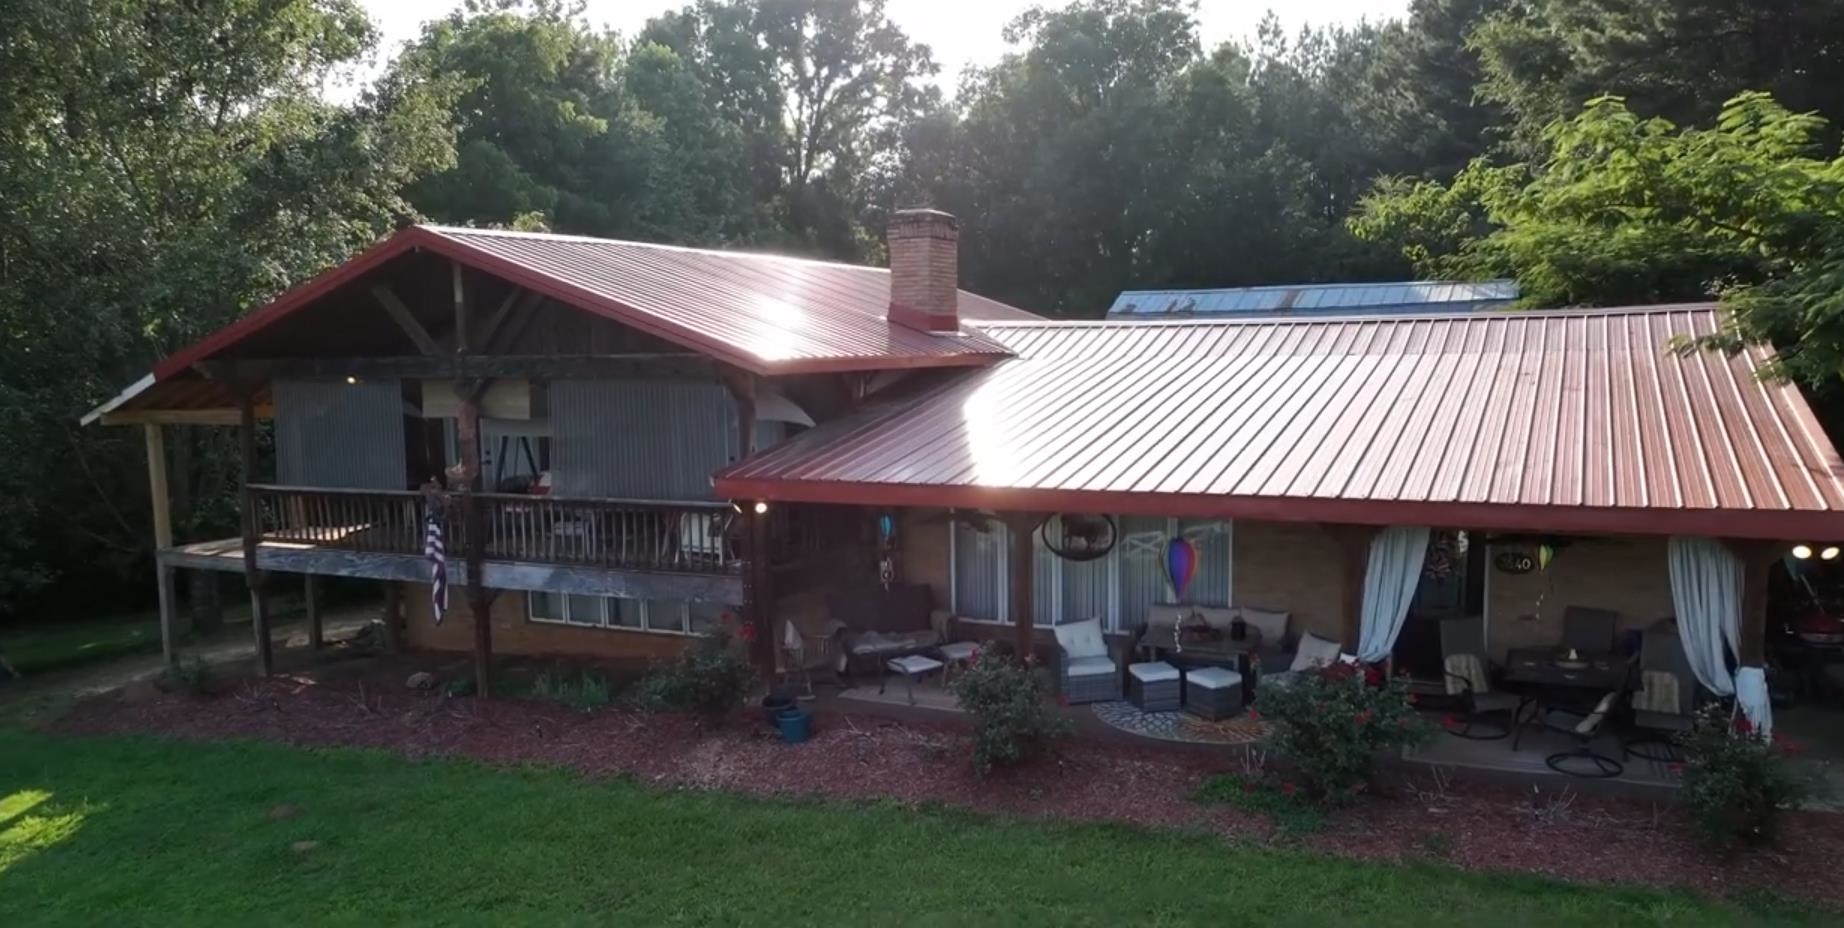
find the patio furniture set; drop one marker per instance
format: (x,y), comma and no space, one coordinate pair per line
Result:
(1207,661)
(1583,688)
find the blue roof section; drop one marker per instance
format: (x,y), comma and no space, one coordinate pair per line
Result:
(1405,296)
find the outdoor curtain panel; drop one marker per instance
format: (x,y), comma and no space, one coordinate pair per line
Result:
(1390,579)
(1706,589)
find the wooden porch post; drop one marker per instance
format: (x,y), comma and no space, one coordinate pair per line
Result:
(1354,562)
(1757,559)
(473,535)
(758,589)
(259,601)
(310,590)
(1021,527)
(163,533)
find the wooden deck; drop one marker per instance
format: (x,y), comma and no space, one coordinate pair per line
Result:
(302,557)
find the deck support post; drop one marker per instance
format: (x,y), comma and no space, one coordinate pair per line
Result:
(259,601)
(1021,527)
(310,596)
(163,534)
(393,616)
(1354,563)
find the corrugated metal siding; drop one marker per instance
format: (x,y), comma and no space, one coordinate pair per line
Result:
(1566,409)
(336,434)
(638,439)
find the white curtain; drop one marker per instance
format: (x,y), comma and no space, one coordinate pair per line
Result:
(1706,590)
(1390,579)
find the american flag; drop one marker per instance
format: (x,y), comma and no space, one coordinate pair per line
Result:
(436,552)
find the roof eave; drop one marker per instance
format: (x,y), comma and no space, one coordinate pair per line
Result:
(1776,525)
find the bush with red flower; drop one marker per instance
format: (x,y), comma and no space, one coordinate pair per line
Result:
(711,677)
(1331,723)
(1013,718)
(1736,780)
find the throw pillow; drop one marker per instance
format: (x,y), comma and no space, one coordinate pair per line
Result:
(1314,651)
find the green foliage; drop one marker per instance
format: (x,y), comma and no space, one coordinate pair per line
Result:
(1624,209)
(1013,718)
(711,677)
(1331,723)
(1736,781)
(585,689)
(1284,805)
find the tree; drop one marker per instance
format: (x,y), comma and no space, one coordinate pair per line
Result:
(166,167)
(1623,209)
(1677,59)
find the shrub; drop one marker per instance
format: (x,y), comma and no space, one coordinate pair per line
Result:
(1013,719)
(712,677)
(189,676)
(1330,724)
(1736,780)
(583,690)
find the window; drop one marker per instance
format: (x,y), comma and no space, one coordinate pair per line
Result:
(1118,588)
(668,616)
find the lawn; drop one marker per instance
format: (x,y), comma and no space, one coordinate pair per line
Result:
(115,830)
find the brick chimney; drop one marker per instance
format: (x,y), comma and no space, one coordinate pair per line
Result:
(925,270)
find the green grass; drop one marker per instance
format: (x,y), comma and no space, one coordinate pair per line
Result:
(138,831)
(44,646)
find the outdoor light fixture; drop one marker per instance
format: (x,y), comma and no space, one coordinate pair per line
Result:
(1803,552)
(1829,554)
(350,379)
(761,507)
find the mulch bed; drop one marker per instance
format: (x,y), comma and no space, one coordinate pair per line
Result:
(1476,826)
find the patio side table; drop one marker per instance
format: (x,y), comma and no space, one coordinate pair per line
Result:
(911,669)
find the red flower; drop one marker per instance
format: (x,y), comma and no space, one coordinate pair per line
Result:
(1364,717)
(747,632)
(1062,699)
(1410,698)
(1450,721)
(1675,768)
(1743,725)
(1287,789)
(1254,714)
(1248,786)
(974,658)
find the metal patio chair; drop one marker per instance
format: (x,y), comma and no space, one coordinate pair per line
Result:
(1467,677)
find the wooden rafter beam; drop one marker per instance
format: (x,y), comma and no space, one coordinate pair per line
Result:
(405,319)
(517,301)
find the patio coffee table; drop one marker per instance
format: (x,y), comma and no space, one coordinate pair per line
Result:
(1541,674)
(1157,645)
(911,668)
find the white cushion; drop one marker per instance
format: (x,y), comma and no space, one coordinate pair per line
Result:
(914,663)
(1153,672)
(1314,651)
(1082,639)
(1214,678)
(959,650)
(1089,667)
(1273,625)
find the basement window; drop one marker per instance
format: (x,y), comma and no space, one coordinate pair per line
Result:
(662,616)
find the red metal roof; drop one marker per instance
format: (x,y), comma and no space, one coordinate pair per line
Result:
(765,313)
(1553,421)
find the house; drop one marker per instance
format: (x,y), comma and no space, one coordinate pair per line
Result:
(732,431)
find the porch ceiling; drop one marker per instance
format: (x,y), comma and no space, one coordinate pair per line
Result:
(1579,421)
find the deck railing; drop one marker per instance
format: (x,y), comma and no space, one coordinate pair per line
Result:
(607,533)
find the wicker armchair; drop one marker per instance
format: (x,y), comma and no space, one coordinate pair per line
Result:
(1086,671)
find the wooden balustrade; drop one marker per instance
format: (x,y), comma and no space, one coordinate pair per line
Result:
(606,533)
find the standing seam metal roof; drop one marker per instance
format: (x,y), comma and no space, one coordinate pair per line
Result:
(1454,420)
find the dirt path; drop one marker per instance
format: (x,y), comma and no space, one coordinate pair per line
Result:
(41,697)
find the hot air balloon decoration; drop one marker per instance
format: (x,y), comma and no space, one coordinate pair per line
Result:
(1180,566)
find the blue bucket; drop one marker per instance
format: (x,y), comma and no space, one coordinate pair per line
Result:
(795,724)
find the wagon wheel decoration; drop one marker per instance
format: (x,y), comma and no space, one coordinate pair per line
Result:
(1077,537)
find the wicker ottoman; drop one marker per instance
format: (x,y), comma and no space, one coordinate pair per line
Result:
(1155,686)
(1213,692)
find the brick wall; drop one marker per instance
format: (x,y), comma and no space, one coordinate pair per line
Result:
(1628,575)
(514,633)
(1291,567)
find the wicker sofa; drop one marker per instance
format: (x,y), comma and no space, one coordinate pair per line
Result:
(876,624)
